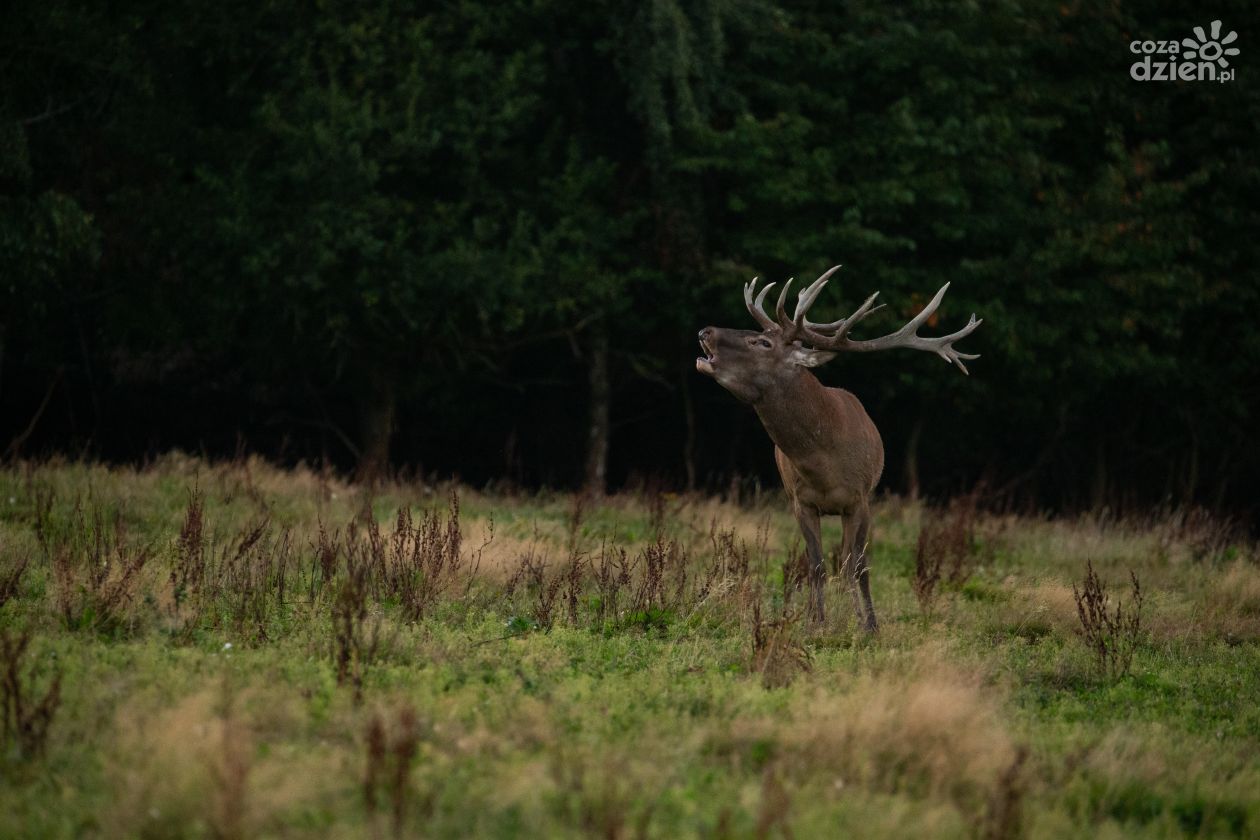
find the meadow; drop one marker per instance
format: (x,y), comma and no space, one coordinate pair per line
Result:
(196,649)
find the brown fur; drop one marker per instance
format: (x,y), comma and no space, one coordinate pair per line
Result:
(828,451)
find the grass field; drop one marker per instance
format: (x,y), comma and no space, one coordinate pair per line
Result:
(238,651)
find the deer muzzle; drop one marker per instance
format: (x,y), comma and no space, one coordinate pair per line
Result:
(704,363)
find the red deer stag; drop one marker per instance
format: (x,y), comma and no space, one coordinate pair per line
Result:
(828,451)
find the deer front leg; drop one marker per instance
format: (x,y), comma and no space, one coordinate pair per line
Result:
(811,528)
(861,566)
(846,562)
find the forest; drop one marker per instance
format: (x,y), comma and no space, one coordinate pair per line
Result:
(477,239)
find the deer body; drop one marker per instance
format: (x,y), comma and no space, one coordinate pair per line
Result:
(830,455)
(827,449)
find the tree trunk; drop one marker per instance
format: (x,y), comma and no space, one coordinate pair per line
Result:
(376,423)
(600,395)
(1191,485)
(1099,493)
(912,460)
(15,445)
(689,441)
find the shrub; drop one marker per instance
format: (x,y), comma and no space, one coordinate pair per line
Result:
(947,549)
(611,572)
(777,653)
(418,563)
(1112,635)
(95,572)
(253,579)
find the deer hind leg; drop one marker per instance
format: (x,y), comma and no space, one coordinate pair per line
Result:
(811,528)
(861,570)
(846,562)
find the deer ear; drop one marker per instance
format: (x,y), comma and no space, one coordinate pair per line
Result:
(809,358)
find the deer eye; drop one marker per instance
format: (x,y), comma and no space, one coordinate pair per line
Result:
(764,342)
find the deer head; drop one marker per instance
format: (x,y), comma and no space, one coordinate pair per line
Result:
(754,365)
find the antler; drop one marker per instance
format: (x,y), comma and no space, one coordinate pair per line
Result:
(789,328)
(835,335)
(754,306)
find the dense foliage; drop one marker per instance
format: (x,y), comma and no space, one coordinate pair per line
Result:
(480,237)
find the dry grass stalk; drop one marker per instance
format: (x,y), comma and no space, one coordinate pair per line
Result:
(25,719)
(795,573)
(11,578)
(777,653)
(739,565)
(230,772)
(251,576)
(95,572)
(376,757)
(327,556)
(418,562)
(1197,529)
(595,795)
(188,766)
(947,549)
(646,589)
(532,573)
(775,807)
(1004,817)
(406,743)
(1112,635)
(933,732)
(1232,603)
(660,559)
(188,571)
(572,580)
(391,752)
(355,644)
(244,584)
(927,572)
(739,557)
(611,573)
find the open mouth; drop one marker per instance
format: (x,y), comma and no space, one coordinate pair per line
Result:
(704,363)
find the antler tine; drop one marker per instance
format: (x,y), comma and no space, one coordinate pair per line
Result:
(867,307)
(841,328)
(755,306)
(810,326)
(805,299)
(944,346)
(780,313)
(927,311)
(905,337)
(837,324)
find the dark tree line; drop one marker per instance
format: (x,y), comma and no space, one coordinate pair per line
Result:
(480,237)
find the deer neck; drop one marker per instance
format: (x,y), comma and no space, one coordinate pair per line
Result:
(798,416)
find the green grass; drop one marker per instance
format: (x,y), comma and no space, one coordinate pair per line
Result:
(648,721)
